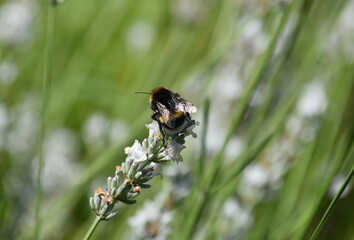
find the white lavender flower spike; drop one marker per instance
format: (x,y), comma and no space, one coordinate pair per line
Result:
(143,162)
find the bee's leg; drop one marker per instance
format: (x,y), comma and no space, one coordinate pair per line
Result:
(164,140)
(155,117)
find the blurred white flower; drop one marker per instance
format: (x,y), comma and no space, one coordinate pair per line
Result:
(16,18)
(346,18)
(61,168)
(151,222)
(313,100)
(253,36)
(99,131)
(140,36)
(228,82)
(234,147)
(234,219)
(255,175)
(118,132)
(294,125)
(8,72)
(221,106)
(337,184)
(299,128)
(341,39)
(95,129)
(278,160)
(180,181)
(22,135)
(253,183)
(188,10)
(215,134)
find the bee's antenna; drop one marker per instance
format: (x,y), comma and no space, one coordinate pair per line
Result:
(141,92)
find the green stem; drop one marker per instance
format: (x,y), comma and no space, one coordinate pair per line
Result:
(92,228)
(332,205)
(45,101)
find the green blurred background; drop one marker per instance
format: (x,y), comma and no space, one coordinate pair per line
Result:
(273,84)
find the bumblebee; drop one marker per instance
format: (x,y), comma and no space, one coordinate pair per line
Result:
(170,110)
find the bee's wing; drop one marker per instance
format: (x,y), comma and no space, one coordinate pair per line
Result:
(181,105)
(189,107)
(167,117)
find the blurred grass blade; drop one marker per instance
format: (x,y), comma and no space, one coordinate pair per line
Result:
(47,78)
(245,160)
(253,82)
(204,129)
(335,200)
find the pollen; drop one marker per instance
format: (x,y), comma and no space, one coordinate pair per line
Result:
(137,189)
(99,192)
(128,181)
(178,114)
(161,119)
(108,200)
